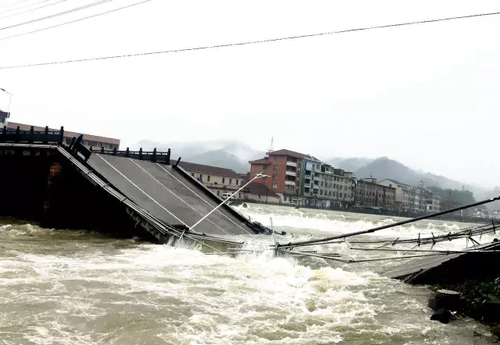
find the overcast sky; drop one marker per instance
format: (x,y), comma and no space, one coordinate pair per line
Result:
(425,95)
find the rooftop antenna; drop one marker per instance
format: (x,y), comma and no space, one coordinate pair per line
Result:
(271,145)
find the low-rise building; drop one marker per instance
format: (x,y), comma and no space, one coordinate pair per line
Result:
(219,180)
(369,193)
(259,192)
(88,140)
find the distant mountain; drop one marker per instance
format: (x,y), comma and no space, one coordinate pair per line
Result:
(384,167)
(219,158)
(228,154)
(349,164)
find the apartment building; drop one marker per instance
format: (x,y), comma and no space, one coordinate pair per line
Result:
(432,202)
(284,168)
(414,199)
(405,195)
(326,187)
(88,140)
(369,193)
(218,180)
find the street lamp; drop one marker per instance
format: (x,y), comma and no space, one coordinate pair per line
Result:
(259,175)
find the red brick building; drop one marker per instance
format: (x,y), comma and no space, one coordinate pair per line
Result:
(284,168)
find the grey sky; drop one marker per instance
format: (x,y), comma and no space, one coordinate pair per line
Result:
(425,95)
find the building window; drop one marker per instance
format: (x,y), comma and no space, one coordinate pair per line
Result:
(264,167)
(230,181)
(276,167)
(208,178)
(276,158)
(192,174)
(236,181)
(201,177)
(275,185)
(218,193)
(223,180)
(275,176)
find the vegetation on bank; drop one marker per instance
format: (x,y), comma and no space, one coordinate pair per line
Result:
(479,300)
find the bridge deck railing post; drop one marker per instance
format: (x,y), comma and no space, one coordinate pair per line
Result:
(61,135)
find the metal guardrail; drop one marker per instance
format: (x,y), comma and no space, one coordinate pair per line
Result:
(18,136)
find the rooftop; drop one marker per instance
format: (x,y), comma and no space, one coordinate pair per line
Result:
(289,153)
(396,182)
(264,161)
(208,169)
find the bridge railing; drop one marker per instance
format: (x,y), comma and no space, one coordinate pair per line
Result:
(153,156)
(31,136)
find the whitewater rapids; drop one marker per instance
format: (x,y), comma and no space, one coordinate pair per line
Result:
(78,287)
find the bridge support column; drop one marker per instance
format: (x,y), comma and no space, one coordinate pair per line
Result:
(54,172)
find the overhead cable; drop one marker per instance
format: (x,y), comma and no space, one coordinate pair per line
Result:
(24,6)
(101,2)
(76,20)
(32,9)
(270,40)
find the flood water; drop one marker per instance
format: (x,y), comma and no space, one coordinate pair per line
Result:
(78,287)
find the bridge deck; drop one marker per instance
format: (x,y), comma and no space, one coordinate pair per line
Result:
(167,194)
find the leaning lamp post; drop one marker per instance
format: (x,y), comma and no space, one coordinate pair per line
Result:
(259,175)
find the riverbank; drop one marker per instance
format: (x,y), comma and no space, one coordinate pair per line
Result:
(376,211)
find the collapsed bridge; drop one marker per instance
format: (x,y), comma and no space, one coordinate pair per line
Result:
(121,192)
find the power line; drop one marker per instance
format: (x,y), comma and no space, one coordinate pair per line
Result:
(33,9)
(76,20)
(57,14)
(270,40)
(24,6)
(12,3)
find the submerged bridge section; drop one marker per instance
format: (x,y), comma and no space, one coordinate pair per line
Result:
(475,263)
(170,194)
(122,192)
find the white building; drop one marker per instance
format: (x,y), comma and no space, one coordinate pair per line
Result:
(325,186)
(3,119)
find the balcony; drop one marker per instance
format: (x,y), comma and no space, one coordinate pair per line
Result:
(290,183)
(291,173)
(291,164)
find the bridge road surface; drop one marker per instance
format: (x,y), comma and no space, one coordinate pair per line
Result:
(166,194)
